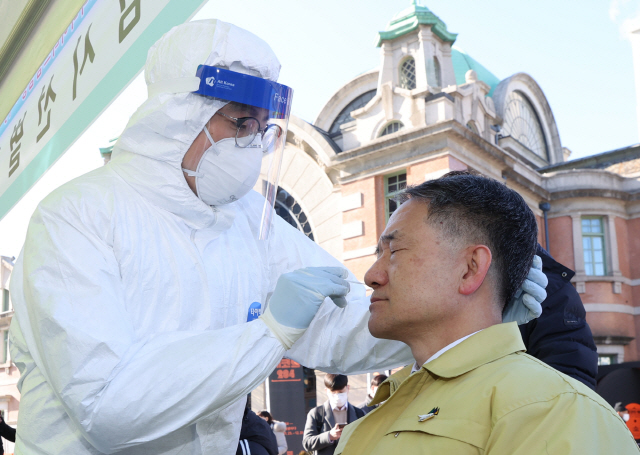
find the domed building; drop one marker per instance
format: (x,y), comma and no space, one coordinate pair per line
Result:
(430,108)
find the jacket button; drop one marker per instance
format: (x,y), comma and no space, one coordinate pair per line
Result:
(564,274)
(396,435)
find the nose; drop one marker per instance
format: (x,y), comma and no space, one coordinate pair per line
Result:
(377,275)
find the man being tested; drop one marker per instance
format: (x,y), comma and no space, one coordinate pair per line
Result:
(453,253)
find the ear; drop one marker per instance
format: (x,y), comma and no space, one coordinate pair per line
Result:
(478,261)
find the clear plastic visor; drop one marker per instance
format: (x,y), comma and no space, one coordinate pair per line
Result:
(263,108)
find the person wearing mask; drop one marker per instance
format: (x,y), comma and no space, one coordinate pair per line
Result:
(278,429)
(324,424)
(154,293)
(375,382)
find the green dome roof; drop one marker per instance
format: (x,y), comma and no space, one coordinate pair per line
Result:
(410,19)
(463,63)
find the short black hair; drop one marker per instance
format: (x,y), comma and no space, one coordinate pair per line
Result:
(378,379)
(478,209)
(267,414)
(335,382)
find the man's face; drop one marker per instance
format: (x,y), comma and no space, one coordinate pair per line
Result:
(415,278)
(220,127)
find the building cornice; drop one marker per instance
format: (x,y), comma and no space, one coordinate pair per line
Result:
(596,161)
(418,144)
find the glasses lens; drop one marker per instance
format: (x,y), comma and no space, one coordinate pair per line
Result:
(271,137)
(247,131)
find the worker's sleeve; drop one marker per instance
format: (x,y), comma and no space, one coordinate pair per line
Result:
(569,424)
(338,339)
(121,390)
(311,439)
(561,337)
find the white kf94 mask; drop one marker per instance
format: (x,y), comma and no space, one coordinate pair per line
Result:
(337,400)
(226,172)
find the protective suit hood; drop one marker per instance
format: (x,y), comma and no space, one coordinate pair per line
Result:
(149,153)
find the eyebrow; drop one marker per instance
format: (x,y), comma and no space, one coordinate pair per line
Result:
(387,238)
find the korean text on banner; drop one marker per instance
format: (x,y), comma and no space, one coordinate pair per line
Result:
(98,55)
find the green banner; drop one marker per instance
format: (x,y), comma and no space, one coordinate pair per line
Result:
(95,59)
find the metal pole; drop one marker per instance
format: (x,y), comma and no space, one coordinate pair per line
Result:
(545,207)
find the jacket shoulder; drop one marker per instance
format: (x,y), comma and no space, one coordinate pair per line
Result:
(523,380)
(315,412)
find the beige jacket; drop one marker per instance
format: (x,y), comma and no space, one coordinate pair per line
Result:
(492,399)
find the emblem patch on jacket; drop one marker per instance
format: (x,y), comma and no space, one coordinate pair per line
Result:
(434,412)
(254,311)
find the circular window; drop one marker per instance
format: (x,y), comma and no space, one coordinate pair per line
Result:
(522,123)
(289,209)
(392,127)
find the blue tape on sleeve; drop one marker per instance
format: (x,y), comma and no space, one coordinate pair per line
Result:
(245,89)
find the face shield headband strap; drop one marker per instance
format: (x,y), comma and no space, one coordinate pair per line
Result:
(231,86)
(245,89)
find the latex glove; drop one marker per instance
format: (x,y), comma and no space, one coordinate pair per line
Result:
(527,303)
(297,298)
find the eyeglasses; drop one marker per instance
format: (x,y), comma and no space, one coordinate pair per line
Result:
(249,127)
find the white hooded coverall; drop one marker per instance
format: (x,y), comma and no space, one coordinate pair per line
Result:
(131,295)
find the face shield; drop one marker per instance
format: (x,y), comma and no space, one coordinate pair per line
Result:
(267,126)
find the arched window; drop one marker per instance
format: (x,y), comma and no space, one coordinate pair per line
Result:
(522,123)
(437,71)
(392,127)
(408,74)
(472,126)
(289,209)
(345,114)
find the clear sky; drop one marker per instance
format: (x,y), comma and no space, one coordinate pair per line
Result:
(574,49)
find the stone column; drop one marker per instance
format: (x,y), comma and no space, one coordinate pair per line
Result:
(578,254)
(634,37)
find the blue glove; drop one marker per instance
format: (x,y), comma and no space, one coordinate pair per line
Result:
(527,303)
(299,294)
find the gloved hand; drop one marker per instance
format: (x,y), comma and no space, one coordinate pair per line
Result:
(297,298)
(527,303)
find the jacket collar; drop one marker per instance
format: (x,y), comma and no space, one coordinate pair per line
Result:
(484,347)
(551,267)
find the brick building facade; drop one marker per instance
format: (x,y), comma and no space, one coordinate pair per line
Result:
(430,108)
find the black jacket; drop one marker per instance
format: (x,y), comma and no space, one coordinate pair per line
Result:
(256,437)
(6,432)
(365,405)
(319,422)
(561,337)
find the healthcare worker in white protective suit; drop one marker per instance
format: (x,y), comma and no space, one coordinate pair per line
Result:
(136,281)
